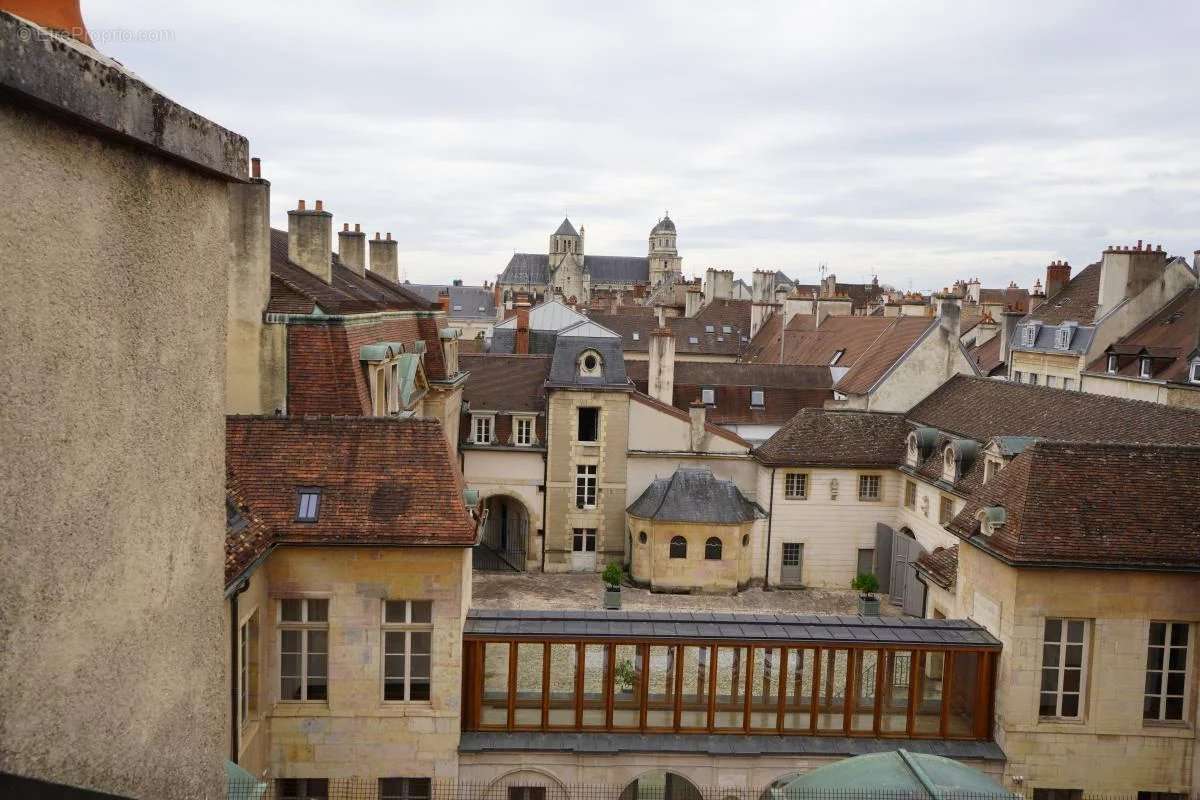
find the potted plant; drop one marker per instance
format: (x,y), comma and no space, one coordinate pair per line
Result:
(867,584)
(612,586)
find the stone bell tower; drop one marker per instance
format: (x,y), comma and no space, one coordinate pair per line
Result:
(663,255)
(566,262)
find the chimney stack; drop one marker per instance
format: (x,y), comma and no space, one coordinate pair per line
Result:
(310,240)
(521,345)
(693,301)
(761,290)
(385,260)
(1057,275)
(661,383)
(950,315)
(697,413)
(352,247)
(443,300)
(1008,325)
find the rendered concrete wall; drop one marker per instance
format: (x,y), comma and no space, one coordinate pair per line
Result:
(1150,391)
(1043,365)
(253,383)
(112,393)
(934,359)
(356,734)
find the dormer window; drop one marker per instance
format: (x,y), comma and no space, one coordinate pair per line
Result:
(949,472)
(990,468)
(1111,367)
(482,427)
(708,396)
(693,340)
(709,329)
(913,449)
(590,364)
(1030,335)
(1144,368)
(991,519)
(308,505)
(1194,372)
(1062,337)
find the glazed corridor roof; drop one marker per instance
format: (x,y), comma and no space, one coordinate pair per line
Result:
(723,627)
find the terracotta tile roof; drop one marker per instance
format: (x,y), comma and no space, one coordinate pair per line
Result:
(785,389)
(805,344)
(815,437)
(735,313)
(987,356)
(941,565)
(1093,504)
(246,537)
(712,428)
(505,382)
(1169,338)
(881,354)
(383,481)
(294,290)
(715,342)
(980,408)
(1077,301)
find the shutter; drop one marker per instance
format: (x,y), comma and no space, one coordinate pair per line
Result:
(883,554)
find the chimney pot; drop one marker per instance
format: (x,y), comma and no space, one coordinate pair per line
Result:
(320,206)
(376,234)
(345,226)
(357,229)
(389,236)
(256,167)
(1139,245)
(301,206)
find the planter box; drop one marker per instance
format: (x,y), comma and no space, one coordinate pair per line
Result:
(612,599)
(868,608)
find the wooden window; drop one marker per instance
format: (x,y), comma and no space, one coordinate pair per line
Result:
(407,650)
(1064,668)
(1111,366)
(1017,375)
(869,487)
(526,793)
(795,486)
(1052,381)
(583,540)
(248,669)
(695,666)
(1166,671)
(945,510)
(494,691)
(302,788)
(910,495)
(303,650)
(524,431)
(405,788)
(678,547)
(712,549)
(481,429)
(1058,794)
(585,486)
(588,424)
(1145,368)
(560,690)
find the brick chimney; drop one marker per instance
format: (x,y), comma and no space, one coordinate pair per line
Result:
(443,300)
(352,247)
(661,383)
(310,239)
(1057,275)
(385,260)
(521,345)
(697,413)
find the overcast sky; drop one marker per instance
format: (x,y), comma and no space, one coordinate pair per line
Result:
(920,142)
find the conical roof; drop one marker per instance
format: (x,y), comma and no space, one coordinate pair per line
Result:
(566,229)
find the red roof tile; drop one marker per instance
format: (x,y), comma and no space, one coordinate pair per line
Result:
(940,564)
(505,381)
(786,389)
(882,353)
(815,437)
(1169,338)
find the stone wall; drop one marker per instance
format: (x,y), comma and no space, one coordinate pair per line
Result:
(652,565)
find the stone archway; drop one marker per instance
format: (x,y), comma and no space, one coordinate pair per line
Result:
(661,785)
(504,545)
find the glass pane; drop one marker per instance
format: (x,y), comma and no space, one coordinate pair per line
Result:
(1075,631)
(594,661)
(1071,680)
(1053,630)
(289,688)
(1047,708)
(290,610)
(928,718)
(1174,708)
(418,689)
(832,697)
(626,676)
(1179,634)
(1050,655)
(495,684)
(1050,680)
(1154,658)
(694,694)
(529,684)
(393,642)
(422,611)
(393,611)
(1153,682)
(798,690)
(1074,655)
(318,610)
(731,686)
(420,641)
(764,688)
(290,641)
(1178,658)
(562,685)
(1175,683)
(318,641)
(897,681)
(1158,633)
(317,689)
(964,695)
(419,666)
(393,688)
(1070,705)
(317,665)
(865,675)
(1150,708)
(660,686)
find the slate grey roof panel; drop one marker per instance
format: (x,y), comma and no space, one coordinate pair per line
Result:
(526,268)
(694,495)
(617,269)
(567,350)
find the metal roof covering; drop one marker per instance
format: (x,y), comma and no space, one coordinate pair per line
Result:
(717,744)
(717,626)
(916,774)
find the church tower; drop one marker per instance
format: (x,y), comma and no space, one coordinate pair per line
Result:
(566,262)
(663,255)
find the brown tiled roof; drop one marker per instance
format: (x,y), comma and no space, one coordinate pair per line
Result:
(1093,504)
(1169,338)
(786,389)
(383,481)
(941,565)
(987,356)
(1013,298)
(980,408)
(805,344)
(711,427)
(715,343)
(1077,301)
(505,382)
(727,312)
(294,290)
(815,437)
(888,347)
(246,537)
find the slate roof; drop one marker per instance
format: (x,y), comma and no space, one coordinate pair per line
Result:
(617,269)
(566,228)
(694,495)
(383,481)
(666,224)
(1077,300)
(505,382)
(882,354)
(472,302)
(722,626)
(1093,504)
(785,389)
(714,342)
(816,437)
(1170,337)
(940,565)
(526,268)
(564,370)
(980,408)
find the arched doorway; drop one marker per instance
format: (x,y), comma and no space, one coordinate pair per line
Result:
(504,545)
(661,785)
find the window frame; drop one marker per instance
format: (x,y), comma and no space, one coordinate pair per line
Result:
(1033,379)
(304,626)
(476,420)
(408,628)
(579,416)
(520,422)
(1145,368)
(406,792)
(1111,365)
(1018,376)
(1061,668)
(1194,372)
(585,537)
(248,671)
(708,395)
(762,398)
(587,485)
(301,493)
(677,547)
(910,489)
(303,790)
(1165,671)
(788,477)
(1068,384)
(709,549)
(864,479)
(945,509)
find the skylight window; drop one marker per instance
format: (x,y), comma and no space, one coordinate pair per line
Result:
(756,398)
(637,336)
(693,340)
(308,505)
(708,396)
(836,358)
(726,329)
(709,329)
(458,308)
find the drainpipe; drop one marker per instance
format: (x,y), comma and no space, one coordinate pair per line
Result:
(546,487)
(234,744)
(770,519)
